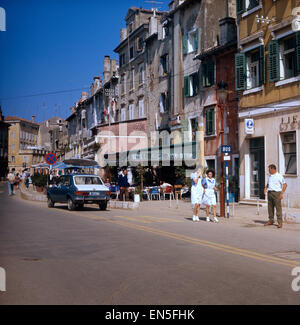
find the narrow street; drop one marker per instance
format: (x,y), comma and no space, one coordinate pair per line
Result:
(146,256)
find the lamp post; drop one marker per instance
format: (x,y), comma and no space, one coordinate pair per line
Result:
(222,94)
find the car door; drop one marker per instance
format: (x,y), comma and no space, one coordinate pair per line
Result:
(65,189)
(55,191)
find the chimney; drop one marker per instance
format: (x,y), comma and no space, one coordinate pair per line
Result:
(33,119)
(123,34)
(107,67)
(153,25)
(228,32)
(83,96)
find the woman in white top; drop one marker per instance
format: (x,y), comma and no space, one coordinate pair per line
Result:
(197,192)
(209,198)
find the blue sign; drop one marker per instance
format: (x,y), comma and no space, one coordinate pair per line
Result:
(226,149)
(50,158)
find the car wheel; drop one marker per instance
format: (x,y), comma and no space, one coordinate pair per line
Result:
(103,206)
(50,203)
(71,205)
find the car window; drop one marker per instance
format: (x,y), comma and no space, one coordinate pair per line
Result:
(67,181)
(87,180)
(59,181)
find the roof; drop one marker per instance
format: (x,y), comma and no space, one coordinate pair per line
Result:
(215,50)
(15,118)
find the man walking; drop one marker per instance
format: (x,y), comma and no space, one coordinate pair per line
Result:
(275,188)
(124,185)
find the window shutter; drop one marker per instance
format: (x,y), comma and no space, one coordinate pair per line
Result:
(195,84)
(210,73)
(186,86)
(240,71)
(274,61)
(240,6)
(262,64)
(204,73)
(196,39)
(297,36)
(184,43)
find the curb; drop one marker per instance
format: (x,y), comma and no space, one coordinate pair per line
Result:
(123,205)
(32,197)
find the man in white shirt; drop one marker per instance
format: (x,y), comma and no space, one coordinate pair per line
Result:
(275,188)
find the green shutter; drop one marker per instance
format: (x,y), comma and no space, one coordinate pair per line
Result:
(184,43)
(297,36)
(240,71)
(210,73)
(196,39)
(274,61)
(240,6)
(186,86)
(262,65)
(204,73)
(210,121)
(195,84)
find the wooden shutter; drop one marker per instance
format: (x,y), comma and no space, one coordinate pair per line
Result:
(195,84)
(184,43)
(240,6)
(274,74)
(240,71)
(297,36)
(262,64)
(204,73)
(210,121)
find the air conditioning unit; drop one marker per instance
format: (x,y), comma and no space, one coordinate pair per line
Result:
(289,137)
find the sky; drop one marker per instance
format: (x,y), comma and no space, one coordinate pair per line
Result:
(52,49)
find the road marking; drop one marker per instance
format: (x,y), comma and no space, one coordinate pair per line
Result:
(205,243)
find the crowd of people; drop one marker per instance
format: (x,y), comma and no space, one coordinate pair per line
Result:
(14,179)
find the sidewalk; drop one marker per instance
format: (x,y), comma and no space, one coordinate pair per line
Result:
(243,215)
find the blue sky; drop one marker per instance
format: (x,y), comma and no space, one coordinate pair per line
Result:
(56,45)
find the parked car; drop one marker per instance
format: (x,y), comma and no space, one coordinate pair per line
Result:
(77,190)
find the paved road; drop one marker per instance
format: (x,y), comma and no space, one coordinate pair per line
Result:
(149,256)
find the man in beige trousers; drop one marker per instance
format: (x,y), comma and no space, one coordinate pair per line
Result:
(275,188)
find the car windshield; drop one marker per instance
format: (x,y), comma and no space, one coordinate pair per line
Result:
(87,180)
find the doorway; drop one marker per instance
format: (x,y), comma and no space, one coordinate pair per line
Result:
(257,167)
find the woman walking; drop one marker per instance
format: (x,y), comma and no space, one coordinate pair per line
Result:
(209,198)
(197,192)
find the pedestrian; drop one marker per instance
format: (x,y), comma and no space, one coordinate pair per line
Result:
(275,188)
(209,197)
(197,192)
(11,181)
(17,180)
(124,185)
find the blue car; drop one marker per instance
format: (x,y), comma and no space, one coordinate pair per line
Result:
(77,190)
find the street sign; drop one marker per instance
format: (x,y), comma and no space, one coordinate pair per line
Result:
(226,149)
(51,158)
(249,126)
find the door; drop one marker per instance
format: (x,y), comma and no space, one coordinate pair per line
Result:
(257,168)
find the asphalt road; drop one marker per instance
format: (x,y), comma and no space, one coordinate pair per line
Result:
(149,256)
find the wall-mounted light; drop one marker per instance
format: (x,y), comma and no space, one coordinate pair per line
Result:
(264,20)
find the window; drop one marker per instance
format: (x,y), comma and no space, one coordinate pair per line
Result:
(284,58)
(141,74)
(122,59)
(131,79)
(191,85)
(244,5)
(194,128)
(123,114)
(210,121)
(210,163)
(123,88)
(139,44)
(13,147)
(131,111)
(163,103)
(131,55)
(290,152)
(190,41)
(141,108)
(164,65)
(208,73)
(250,69)
(12,159)
(13,135)
(253,69)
